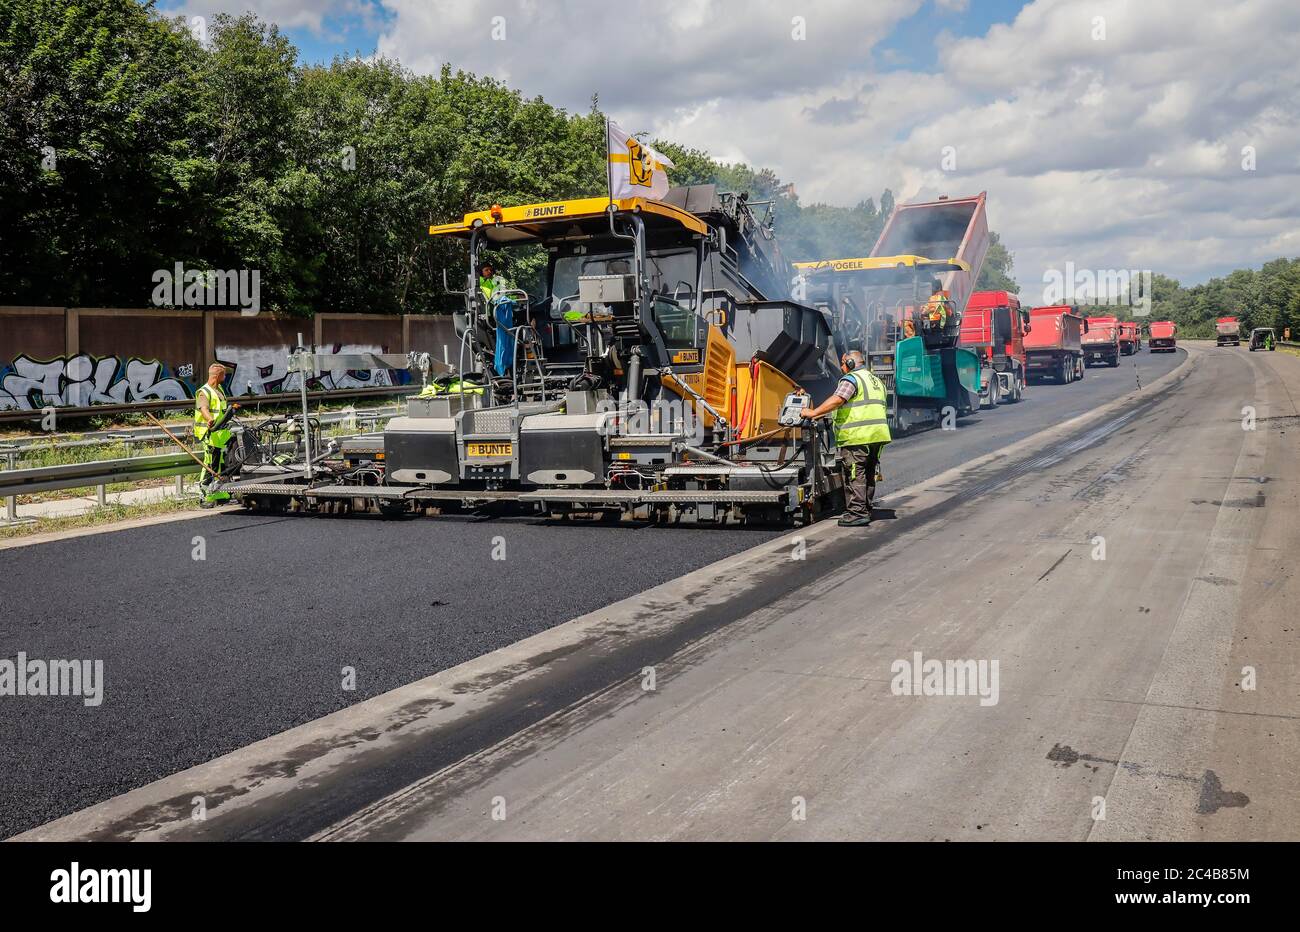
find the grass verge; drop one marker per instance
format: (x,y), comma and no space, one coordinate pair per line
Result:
(100,514)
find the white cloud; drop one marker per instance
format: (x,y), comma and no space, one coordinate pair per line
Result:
(1117,152)
(655,56)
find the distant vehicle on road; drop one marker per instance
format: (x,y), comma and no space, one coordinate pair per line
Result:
(1130,337)
(1229,330)
(1263,338)
(1101,341)
(1160,338)
(1053,347)
(994,328)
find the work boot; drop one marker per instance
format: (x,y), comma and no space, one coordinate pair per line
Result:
(854,520)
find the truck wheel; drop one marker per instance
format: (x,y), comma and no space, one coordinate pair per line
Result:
(1114,362)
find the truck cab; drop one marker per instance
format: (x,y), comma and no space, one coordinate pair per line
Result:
(994,326)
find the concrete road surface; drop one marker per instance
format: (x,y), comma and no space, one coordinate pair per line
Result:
(1110,604)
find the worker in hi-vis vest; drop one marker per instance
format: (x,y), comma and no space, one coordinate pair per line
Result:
(493,288)
(939,308)
(210,404)
(861,421)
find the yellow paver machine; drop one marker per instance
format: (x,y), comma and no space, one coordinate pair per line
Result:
(657,373)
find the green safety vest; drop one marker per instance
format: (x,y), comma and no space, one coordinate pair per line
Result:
(451,388)
(490,286)
(217,405)
(864,417)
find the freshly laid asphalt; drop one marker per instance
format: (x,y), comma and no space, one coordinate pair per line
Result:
(205,656)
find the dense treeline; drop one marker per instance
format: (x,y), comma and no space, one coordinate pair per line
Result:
(128,145)
(1265,297)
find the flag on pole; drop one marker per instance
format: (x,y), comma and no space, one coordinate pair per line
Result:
(634,170)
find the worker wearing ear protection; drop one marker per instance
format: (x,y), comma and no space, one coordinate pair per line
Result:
(860,407)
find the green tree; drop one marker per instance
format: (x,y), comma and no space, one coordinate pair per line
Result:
(94,137)
(995,274)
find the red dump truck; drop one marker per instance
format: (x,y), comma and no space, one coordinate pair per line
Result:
(1229,331)
(1130,337)
(994,328)
(1101,341)
(1160,339)
(1053,345)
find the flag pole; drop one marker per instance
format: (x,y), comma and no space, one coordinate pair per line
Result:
(609,164)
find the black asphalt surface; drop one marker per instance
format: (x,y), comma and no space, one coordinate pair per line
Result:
(203,657)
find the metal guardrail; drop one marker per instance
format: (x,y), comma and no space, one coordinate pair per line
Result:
(11,414)
(128,436)
(98,473)
(101,473)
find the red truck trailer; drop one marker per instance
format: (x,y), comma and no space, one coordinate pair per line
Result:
(1053,344)
(994,328)
(1101,341)
(1130,337)
(1229,331)
(1160,339)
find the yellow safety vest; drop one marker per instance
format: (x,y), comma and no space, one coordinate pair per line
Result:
(937,307)
(454,387)
(490,286)
(863,418)
(216,407)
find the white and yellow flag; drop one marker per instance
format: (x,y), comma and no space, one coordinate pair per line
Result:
(635,170)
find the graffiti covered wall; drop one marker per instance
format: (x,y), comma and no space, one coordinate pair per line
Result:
(83,380)
(265,371)
(82,357)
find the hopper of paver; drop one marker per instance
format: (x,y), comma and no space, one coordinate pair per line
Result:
(955,228)
(791,337)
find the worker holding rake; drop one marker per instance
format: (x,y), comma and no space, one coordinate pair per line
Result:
(210,415)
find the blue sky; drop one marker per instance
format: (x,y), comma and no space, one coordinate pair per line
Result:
(343,35)
(911,45)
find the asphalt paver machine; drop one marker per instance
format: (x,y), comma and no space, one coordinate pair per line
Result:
(660,373)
